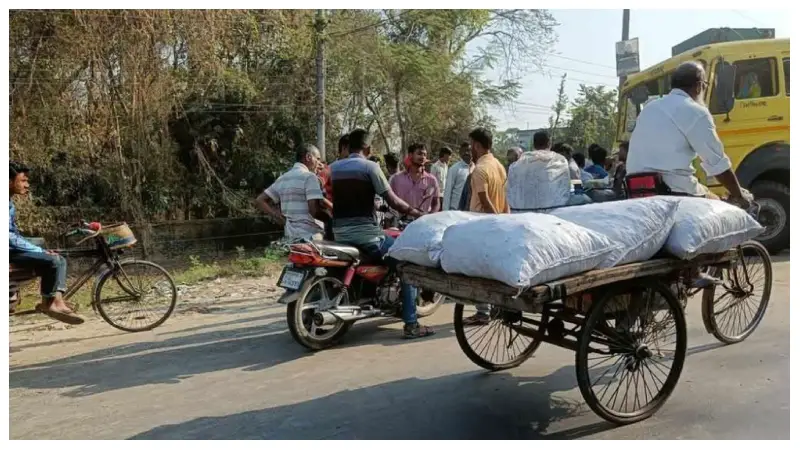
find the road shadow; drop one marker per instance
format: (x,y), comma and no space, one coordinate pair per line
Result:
(473,405)
(704,348)
(167,361)
(780,257)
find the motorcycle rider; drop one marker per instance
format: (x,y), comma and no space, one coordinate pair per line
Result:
(355,181)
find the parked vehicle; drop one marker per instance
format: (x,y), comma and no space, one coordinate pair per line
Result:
(330,286)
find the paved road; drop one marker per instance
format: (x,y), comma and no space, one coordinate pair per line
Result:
(236,374)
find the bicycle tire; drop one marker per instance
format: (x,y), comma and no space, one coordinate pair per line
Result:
(709,301)
(98,303)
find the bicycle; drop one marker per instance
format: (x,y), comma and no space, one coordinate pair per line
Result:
(115,280)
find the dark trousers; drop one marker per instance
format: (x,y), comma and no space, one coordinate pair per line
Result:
(52,269)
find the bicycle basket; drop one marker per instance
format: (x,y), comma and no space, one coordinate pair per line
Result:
(118,235)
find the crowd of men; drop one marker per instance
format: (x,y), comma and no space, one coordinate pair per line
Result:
(341,200)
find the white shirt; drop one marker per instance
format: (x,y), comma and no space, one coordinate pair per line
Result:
(670,133)
(293,190)
(574,170)
(454,185)
(439,171)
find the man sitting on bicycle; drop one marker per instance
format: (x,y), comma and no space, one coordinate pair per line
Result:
(45,263)
(671,132)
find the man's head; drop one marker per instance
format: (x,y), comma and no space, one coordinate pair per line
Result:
(444,154)
(512,155)
(690,77)
(359,142)
(480,142)
(563,149)
(392,163)
(598,155)
(579,159)
(418,154)
(541,140)
(18,179)
(344,146)
(623,151)
(465,152)
(309,156)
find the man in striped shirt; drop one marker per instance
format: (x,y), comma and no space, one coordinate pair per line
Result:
(295,199)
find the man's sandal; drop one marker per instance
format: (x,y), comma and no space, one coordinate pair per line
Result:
(417,331)
(68,318)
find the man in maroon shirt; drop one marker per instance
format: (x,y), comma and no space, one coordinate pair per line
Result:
(415,186)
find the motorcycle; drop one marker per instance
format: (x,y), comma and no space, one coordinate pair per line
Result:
(330,286)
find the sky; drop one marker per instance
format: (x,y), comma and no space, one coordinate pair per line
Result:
(590,35)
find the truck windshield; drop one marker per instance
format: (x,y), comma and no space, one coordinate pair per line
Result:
(635,99)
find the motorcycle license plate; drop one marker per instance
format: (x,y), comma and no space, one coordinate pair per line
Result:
(291,278)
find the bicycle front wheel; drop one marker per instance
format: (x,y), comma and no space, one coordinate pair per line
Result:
(136,296)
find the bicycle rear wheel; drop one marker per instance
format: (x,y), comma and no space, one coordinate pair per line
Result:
(136,296)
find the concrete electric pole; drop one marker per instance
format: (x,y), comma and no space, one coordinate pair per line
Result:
(319,25)
(626,22)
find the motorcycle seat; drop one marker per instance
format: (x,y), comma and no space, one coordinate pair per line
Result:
(340,251)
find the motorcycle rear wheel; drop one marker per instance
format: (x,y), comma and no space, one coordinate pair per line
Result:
(299,314)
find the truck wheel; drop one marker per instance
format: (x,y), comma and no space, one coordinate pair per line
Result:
(773,198)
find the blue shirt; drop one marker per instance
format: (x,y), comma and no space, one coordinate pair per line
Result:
(597,171)
(17,243)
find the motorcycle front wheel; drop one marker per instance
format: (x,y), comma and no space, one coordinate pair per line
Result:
(317,292)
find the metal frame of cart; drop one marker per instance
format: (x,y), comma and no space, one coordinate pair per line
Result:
(623,323)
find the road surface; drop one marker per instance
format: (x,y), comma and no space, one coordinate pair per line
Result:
(234,373)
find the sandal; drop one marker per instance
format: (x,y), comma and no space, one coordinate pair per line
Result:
(417,331)
(69,318)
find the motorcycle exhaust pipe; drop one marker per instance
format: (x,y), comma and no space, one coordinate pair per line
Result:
(334,316)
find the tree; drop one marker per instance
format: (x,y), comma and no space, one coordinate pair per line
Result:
(593,117)
(504,140)
(558,108)
(144,115)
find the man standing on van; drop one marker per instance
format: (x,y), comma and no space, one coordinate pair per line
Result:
(675,129)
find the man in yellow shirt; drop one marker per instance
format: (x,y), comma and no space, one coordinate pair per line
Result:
(488,184)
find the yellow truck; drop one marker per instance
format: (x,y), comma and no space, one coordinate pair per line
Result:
(748,96)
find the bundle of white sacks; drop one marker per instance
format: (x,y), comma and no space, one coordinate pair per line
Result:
(527,249)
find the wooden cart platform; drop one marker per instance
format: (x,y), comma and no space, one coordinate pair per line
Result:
(480,290)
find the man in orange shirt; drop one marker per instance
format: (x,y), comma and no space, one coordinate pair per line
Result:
(488,186)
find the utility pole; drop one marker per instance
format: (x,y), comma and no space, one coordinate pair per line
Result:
(319,25)
(626,24)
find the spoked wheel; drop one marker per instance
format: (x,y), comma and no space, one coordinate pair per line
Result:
(135,296)
(631,352)
(734,310)
(495,345)
(317,294)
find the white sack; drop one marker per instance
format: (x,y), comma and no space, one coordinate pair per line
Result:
(522,249)
(704,226)
(640,226)
(539,179)
(421,242)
